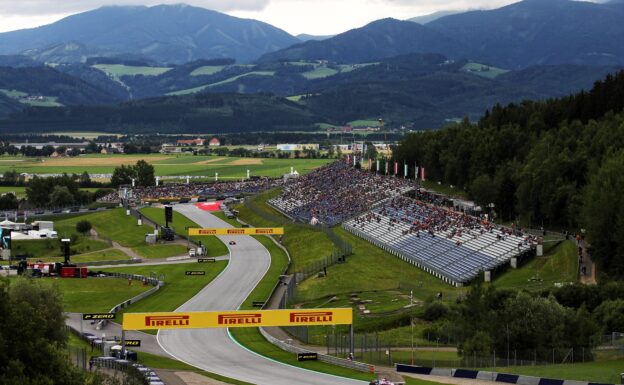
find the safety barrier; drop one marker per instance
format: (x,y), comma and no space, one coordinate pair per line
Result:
(489,376)
(148,280)
(359,366)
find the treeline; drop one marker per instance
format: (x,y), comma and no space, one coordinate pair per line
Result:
(61,191)
(553,163)
(532,325)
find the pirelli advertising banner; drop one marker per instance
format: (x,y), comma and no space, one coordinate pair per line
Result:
(238,231)
(237,319)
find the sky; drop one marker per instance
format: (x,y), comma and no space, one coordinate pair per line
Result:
(317,17)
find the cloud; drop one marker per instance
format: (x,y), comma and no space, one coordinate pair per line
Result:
(47,7)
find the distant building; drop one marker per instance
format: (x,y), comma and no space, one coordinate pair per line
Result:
(214,142)
(191,142)
(169,148)
(298,147)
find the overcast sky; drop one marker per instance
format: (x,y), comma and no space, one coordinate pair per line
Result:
(319,17)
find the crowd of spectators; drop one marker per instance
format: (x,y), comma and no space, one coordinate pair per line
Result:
(336,192)
(427,218)
(182,190)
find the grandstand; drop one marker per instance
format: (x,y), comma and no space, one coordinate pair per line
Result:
(452,246)
(335,193)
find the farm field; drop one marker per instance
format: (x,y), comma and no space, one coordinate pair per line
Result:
(227,167)
(119,70)
(229,80)
(483,70)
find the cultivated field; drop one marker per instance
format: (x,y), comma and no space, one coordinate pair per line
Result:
(227,167)
(119,70)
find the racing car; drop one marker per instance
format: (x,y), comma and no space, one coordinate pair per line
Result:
(232,242)
(383,381)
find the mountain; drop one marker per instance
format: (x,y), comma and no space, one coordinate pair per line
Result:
(31,85)
(533,32)
(17,61)
(527,33)
(164,33)
(379,39)
(424,19)
(306,37)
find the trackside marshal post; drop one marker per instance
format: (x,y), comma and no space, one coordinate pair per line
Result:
(238,231)
(229,319)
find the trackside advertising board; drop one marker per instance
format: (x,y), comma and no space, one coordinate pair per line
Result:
(235,319)
(238,231)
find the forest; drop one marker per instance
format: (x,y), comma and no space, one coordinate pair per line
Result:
(557,163)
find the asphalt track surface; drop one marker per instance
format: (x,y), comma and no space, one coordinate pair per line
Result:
(213,350)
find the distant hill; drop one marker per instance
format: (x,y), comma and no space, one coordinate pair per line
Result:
(530,32)
(534,32)
(306,37)
(164,33)
(17,61)
(199,113)
(424,19)
(379,39)
(28,83)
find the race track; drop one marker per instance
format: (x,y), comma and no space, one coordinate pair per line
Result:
(213,350)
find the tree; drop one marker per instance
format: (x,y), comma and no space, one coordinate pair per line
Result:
(85,179)
(371,150)
(8,201)
(61,197)
(603,216)
(123,175)
(145,173)
(482,190)
(83,227)
(33,335)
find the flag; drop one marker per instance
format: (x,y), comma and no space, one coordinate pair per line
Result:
(422,177)
(377,169)
(354,160)
(386,167)
(370,164)
(416,171)
(396,168)
(405,170)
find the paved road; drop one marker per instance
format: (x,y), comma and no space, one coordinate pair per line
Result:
(212,349)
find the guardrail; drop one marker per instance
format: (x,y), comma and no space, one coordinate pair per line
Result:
(359,366)
(148,280)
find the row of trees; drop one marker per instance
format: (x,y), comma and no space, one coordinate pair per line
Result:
(60,191)
(532,325)
(555,163)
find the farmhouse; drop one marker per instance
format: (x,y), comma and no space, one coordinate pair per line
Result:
(191,142)
(214,142)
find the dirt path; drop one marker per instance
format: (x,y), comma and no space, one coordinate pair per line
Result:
(586,265)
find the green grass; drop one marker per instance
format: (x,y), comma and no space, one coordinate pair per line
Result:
(172,165)
(483,70)
(178,287)
(207,70)
(215,247)
(161,251)
(229,80)
(46,249)
(364,123)
(599,371)
(119,70)
(93,295)
(119,227)
(304,245)
(559,267)
(319,73)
